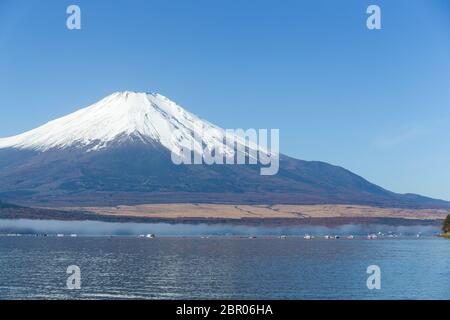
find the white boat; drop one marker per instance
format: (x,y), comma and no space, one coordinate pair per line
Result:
(150,236)
(308,237)
(60,235)
(350,237)
(283,237)
(327,237)
(73,235)
(372,237)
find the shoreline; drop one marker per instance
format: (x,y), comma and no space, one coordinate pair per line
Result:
(255,222)
(246,215)
(319,237)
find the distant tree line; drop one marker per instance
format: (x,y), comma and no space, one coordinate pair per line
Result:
(446,227)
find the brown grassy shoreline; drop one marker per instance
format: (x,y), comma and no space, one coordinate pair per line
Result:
(267,215)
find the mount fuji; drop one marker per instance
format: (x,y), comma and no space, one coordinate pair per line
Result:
(118,151)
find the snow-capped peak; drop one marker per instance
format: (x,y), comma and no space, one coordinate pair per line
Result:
(122,114)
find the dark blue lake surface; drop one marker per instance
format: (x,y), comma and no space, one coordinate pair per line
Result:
(223,268)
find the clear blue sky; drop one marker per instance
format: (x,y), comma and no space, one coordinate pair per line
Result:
(375,102)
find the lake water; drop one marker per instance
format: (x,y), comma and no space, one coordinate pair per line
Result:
(223,268)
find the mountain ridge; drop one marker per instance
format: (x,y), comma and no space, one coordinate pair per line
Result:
(120,148)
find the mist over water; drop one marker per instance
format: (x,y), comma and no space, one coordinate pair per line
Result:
(98,228)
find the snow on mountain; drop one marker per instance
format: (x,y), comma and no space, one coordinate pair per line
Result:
(123,114)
